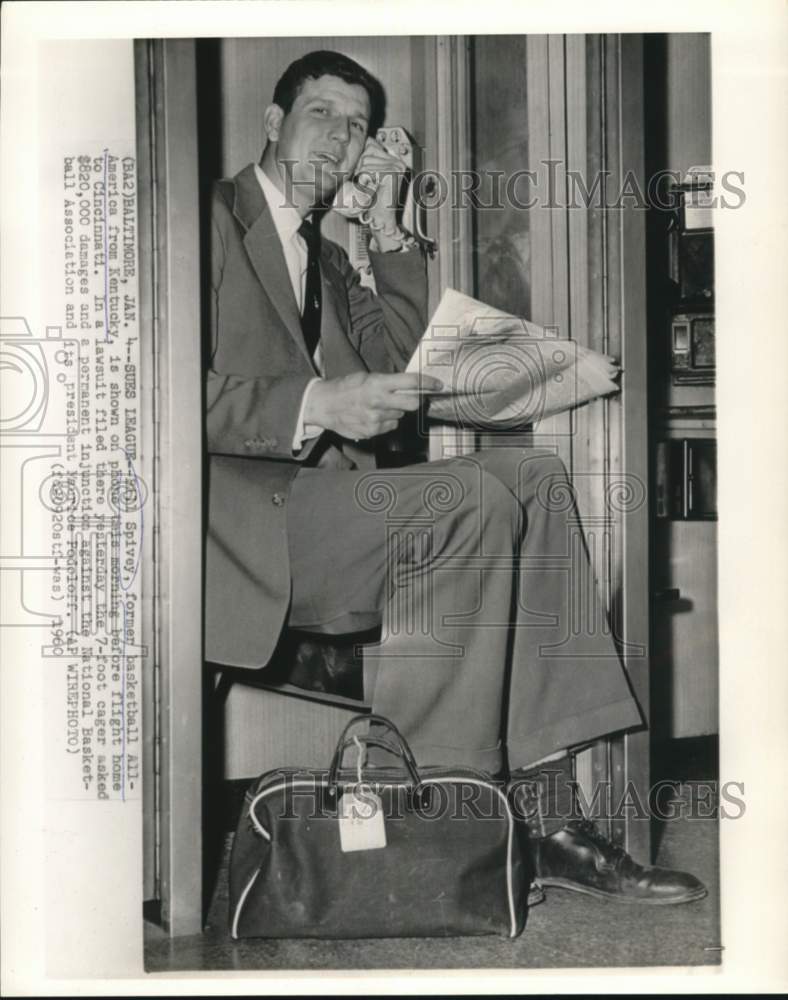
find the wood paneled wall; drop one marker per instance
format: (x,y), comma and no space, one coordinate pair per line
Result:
(688,100)
(250,68)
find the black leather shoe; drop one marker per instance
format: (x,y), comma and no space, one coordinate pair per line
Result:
(579,857)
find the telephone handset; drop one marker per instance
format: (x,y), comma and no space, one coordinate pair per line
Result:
(352,199)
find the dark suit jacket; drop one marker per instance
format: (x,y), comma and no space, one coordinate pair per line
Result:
(258,370)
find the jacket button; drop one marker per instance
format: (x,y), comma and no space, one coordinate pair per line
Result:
(278,500)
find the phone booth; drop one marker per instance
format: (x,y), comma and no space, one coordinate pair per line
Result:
(567,107)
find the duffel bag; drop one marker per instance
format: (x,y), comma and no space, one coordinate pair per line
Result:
(376,852)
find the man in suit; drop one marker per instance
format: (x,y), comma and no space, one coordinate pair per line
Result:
(468,562)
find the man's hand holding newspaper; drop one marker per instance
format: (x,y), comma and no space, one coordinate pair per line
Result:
(499,370)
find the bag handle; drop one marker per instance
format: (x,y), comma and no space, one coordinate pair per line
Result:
(371,741)
(401,747)
(419,794)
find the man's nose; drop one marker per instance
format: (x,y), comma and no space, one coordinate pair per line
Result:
(340,128)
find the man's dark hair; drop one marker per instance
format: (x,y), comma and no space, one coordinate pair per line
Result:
(324,63)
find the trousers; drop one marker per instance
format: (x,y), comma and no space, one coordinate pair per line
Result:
(495,650)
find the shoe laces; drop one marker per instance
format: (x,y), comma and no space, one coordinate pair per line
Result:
(614,853)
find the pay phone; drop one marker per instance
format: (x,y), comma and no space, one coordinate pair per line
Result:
(692,349)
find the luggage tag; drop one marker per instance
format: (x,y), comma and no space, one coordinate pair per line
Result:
(361,823)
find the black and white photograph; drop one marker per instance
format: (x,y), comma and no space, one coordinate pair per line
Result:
(393,524)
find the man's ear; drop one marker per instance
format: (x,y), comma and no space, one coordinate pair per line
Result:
(272,121)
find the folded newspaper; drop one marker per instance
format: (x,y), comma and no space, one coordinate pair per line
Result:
(499,370)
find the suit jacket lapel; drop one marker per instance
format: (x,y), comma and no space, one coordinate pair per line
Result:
(261,241)
(262,244)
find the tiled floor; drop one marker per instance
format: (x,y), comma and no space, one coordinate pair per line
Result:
(568,929)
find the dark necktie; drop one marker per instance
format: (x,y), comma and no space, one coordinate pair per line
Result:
(310,315)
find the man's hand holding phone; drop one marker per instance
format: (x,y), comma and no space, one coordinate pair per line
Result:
(378,176)
(362,405)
